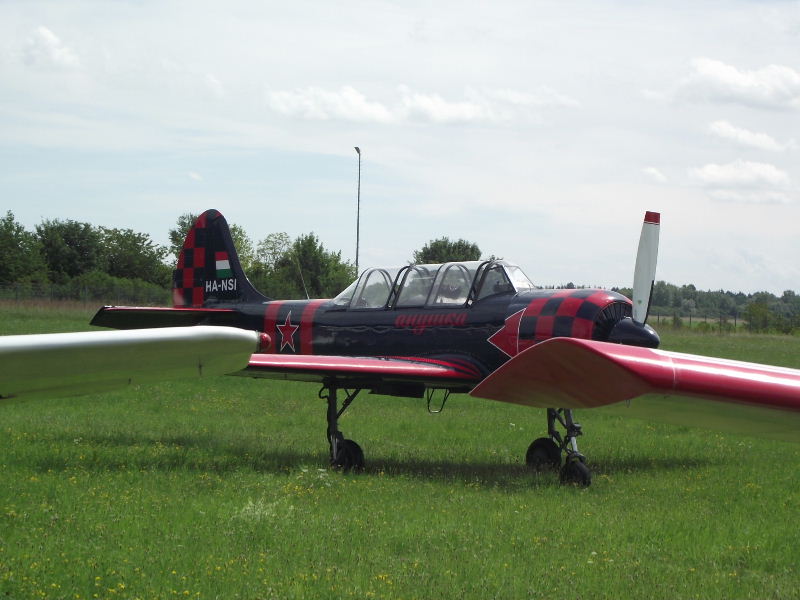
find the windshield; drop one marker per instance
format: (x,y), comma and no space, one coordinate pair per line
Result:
(343,299)
(519,280)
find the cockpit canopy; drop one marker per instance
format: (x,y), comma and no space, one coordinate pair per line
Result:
(449,285)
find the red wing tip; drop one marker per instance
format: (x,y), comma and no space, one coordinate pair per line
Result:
(653,218)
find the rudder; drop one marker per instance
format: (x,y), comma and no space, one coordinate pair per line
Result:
(208,270)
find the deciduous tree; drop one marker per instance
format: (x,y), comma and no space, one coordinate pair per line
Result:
(445,250)
(70,248)
(21,253)
(133,255)
(306,267)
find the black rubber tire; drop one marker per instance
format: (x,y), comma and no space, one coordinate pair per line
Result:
(576,472)
(543,454)
(350,457)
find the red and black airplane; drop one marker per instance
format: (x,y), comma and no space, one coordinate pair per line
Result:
(473,327)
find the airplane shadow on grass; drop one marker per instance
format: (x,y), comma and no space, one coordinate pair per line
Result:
(121,451)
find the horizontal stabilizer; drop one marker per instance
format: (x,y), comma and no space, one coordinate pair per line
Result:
(70,364)
(143,317)
(665,386)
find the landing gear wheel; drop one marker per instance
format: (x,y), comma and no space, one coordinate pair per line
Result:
(575,471)
(349,457)
(543,455)
(345,455)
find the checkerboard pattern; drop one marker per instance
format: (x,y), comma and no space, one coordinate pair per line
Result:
(566,313)
(189,278)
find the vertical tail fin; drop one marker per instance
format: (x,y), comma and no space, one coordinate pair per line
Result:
(209,271)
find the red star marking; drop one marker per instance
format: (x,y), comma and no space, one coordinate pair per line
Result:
(287,332)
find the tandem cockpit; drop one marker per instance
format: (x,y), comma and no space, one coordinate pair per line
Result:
(447,285)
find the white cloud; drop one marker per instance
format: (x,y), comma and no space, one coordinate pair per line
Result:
(314,103)
(750,196)
(655,174)
(745,137)
(44,48)
(432,107)
(544,97)
(741,173)
(480,105)
(477,106)
(773,86)
(745,182)
(195,176)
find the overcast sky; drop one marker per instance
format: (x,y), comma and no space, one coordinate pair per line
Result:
(540,130)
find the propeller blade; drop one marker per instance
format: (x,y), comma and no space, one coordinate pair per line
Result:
(644,274)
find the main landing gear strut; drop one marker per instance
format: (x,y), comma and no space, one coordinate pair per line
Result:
(345,454)
(545,453)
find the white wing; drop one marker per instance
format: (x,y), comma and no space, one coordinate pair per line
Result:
(69,364)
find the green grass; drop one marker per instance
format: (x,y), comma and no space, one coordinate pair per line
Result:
(42,316)
(771,349)
(218,489)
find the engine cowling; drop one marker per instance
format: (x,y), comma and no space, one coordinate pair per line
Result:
(593,314)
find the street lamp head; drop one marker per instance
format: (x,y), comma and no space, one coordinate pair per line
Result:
(358,150)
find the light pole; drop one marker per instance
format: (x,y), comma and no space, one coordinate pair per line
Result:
(358,207)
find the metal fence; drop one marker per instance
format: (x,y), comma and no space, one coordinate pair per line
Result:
(133,293)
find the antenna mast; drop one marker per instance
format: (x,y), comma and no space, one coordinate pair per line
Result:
(358,207)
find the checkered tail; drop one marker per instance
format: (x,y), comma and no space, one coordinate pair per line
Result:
(209,272)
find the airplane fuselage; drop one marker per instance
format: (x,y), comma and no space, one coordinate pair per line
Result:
(487,333)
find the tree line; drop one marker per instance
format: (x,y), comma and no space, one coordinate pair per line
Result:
(73,259)
(762,311)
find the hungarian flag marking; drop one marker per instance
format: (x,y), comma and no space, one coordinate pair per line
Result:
(223,265)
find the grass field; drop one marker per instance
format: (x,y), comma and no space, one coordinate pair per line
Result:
(218,489)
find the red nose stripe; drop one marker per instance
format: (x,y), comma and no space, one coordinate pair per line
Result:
(652,218)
